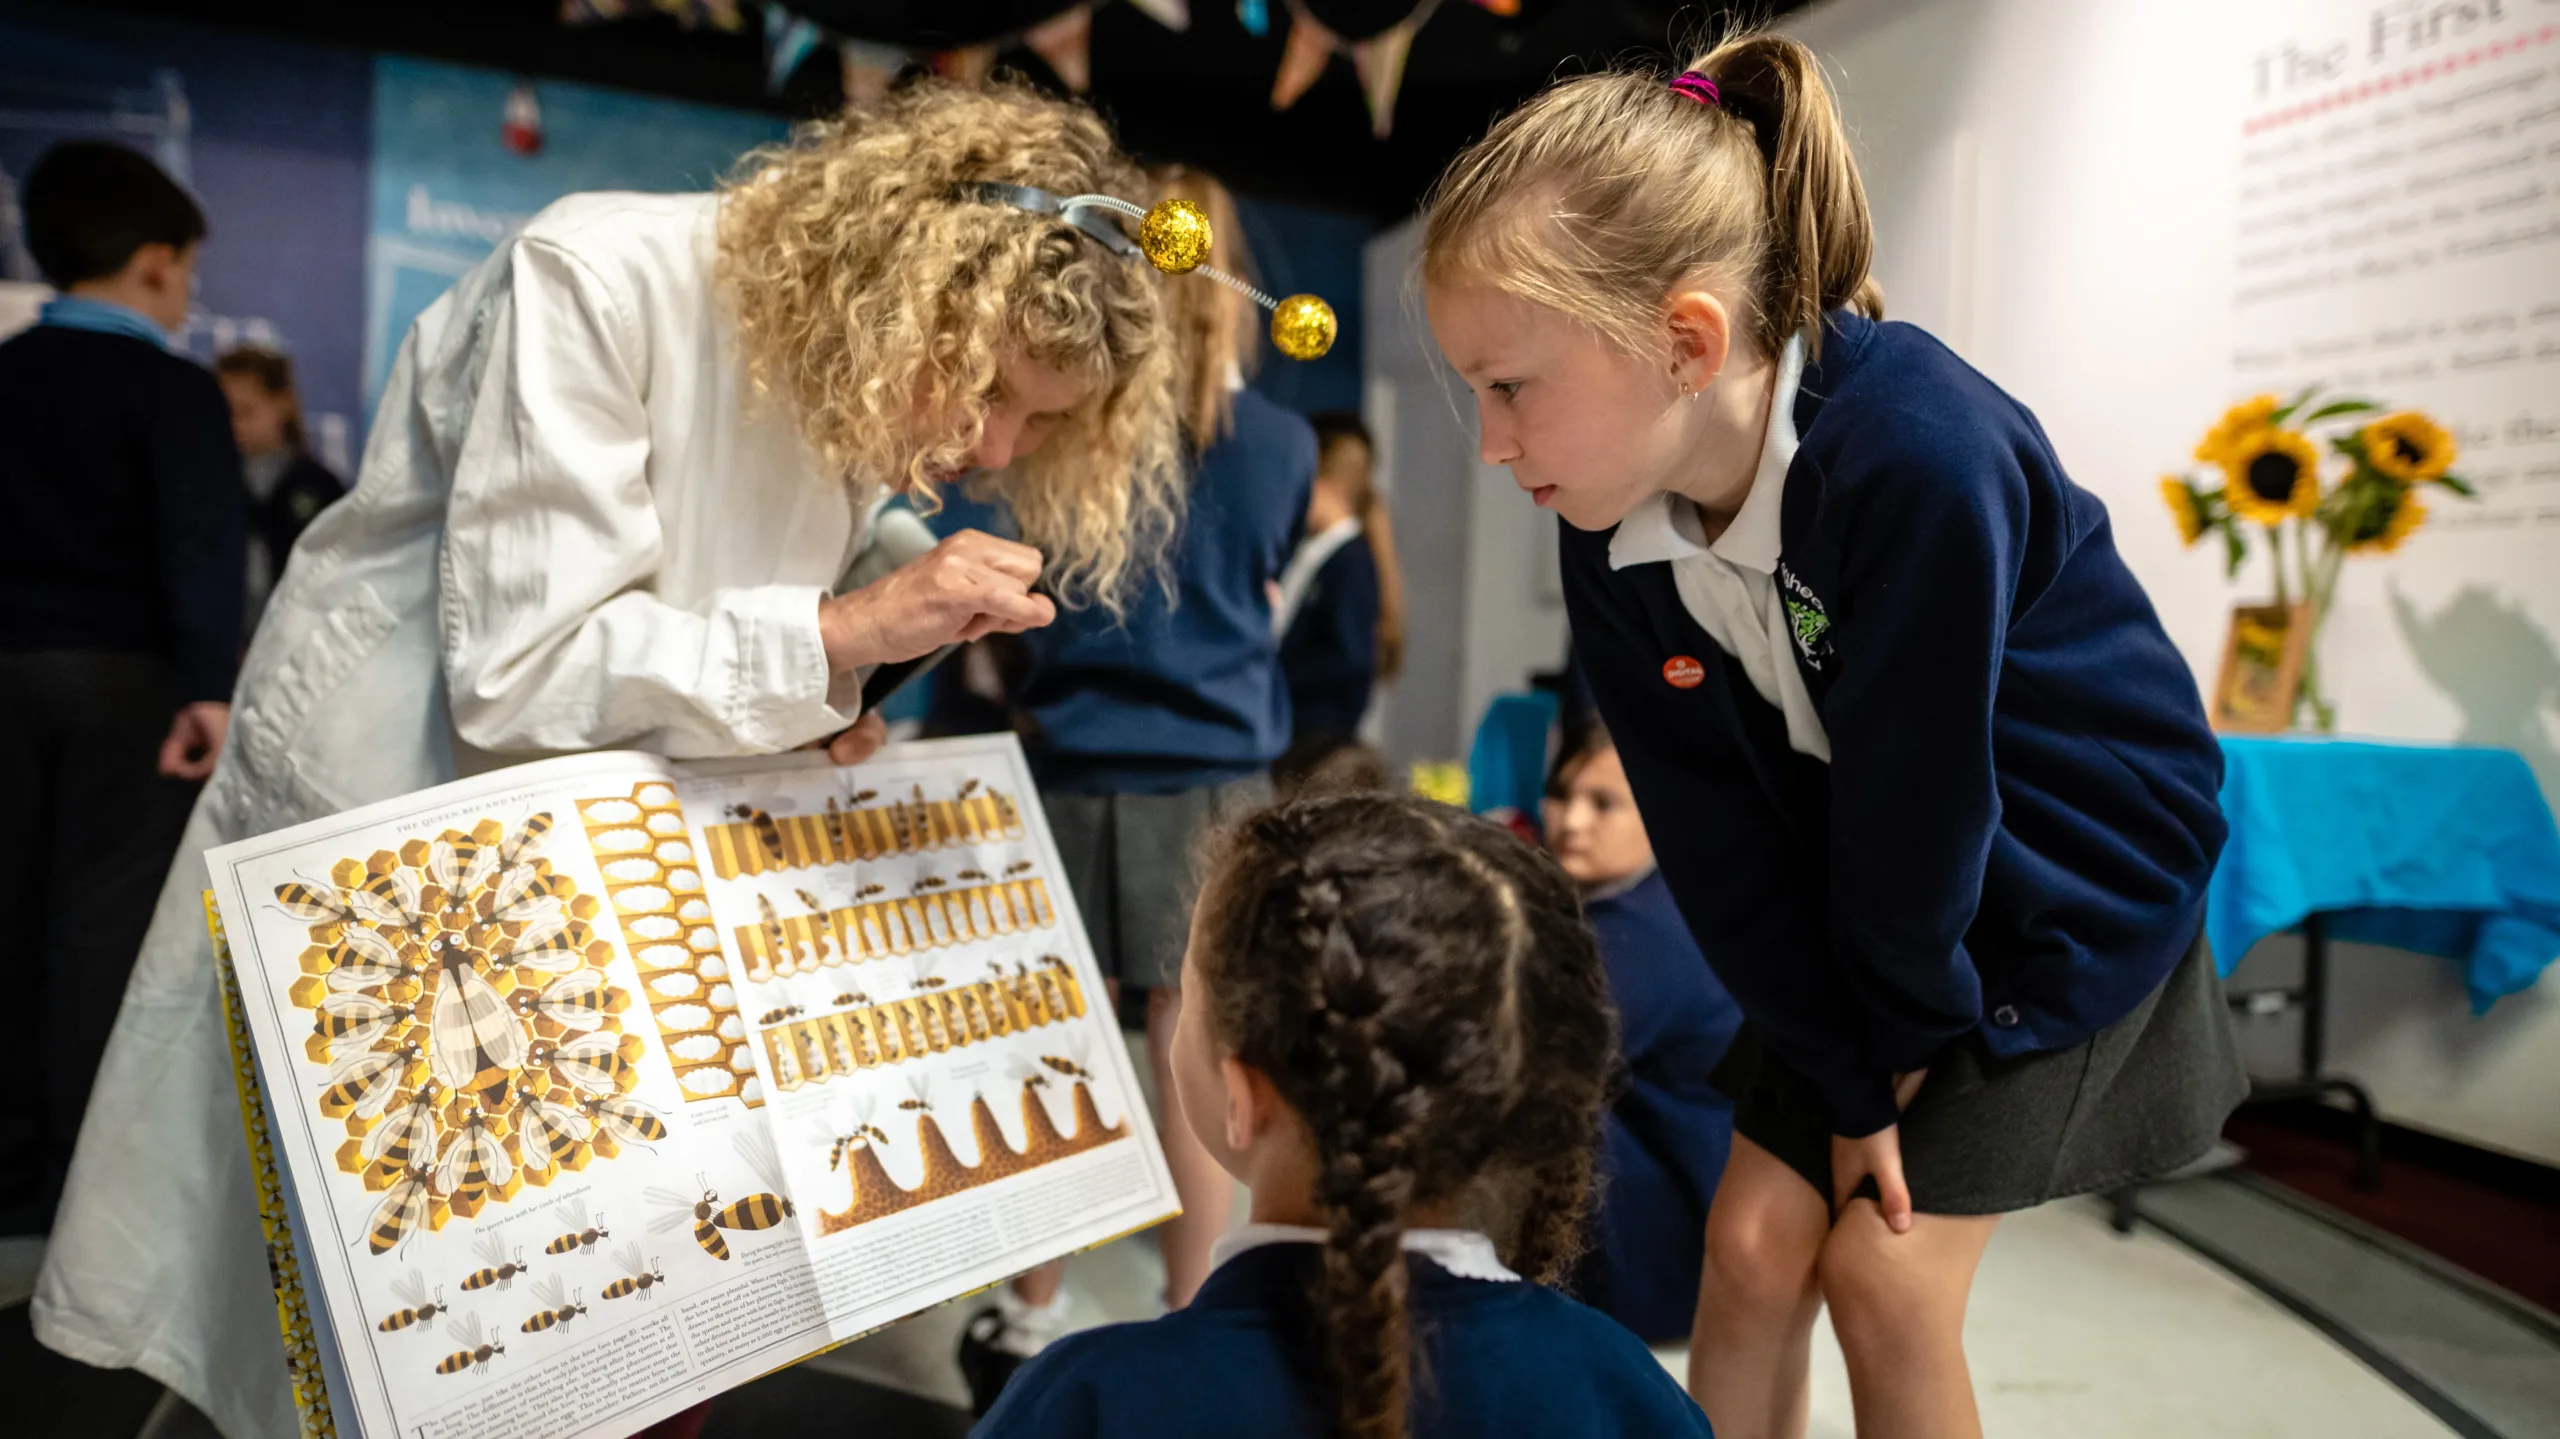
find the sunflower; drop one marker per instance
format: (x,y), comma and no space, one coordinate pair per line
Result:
(2185,506)
(2237,424)
(2274,476)
(2379,528)
(2408,447)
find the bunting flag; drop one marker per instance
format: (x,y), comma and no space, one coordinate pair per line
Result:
(1507,9)
(1303,56)
(1379,61)
(788,41)
(868,69)
(1173,15)
(1065,42)
(1255,17)
(969,65)
(592,12)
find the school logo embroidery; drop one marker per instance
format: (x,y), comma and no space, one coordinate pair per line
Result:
(1807,617)
(1683,673)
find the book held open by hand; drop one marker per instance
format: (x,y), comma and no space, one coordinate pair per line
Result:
(600,1085)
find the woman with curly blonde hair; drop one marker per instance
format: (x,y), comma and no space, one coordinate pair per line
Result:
(615,480)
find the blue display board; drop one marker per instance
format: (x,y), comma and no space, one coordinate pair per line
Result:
(446,189)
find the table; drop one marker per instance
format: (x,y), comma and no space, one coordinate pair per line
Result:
(2443,849)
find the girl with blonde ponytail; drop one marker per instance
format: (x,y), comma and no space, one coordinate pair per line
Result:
(1934,792)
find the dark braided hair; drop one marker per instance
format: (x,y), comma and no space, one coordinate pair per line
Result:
(1419,985)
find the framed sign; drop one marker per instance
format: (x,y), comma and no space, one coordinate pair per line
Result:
(2262,660)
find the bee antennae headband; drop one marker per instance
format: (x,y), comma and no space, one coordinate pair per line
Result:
(1174,237)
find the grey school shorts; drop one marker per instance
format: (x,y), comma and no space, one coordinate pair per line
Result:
(1985,1135)
(1132,864)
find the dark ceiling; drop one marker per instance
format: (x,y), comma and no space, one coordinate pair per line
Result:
(1201,96)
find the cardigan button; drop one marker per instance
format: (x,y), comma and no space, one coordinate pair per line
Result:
(2006,1016)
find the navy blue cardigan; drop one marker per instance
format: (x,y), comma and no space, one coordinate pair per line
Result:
(1330,653)
(1493,1358)
(1187,693)
(1667,1130)
(2014,832)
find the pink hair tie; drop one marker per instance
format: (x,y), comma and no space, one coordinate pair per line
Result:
(1697,87)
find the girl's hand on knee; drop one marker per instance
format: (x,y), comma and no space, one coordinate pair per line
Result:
(1878,1156)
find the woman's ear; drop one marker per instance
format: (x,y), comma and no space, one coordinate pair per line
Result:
(1701,331)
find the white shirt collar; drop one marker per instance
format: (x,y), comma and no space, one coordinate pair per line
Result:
(1463,1252)
(1665,526)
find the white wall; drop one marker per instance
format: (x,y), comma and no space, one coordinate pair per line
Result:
(2057,190)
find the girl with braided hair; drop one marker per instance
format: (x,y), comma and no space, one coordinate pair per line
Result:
(1394,1031)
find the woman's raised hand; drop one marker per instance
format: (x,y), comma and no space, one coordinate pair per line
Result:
(966,587)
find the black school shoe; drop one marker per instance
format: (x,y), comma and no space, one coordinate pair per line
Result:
(986,1367)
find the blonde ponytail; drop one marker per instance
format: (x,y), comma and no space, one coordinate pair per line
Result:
(1605,194)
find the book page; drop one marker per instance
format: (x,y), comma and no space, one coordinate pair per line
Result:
(935,1050)
(607,1083)
(504,1193)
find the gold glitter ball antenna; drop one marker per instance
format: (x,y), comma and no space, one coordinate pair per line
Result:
(1175,237)
(1302,326)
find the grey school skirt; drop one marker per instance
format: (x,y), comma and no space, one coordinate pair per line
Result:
(1131,862)
(1985,1135)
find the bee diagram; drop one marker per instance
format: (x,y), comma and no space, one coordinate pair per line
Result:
(581,1235)
(707,1216)
(639,1276)
(558,1308)
(655,885)
(417,1311)
(939,1013)
(499,1266)
(469,1032)
(750,839)
(476,1351)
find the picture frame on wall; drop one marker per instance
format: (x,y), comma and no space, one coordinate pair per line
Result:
(2262,658)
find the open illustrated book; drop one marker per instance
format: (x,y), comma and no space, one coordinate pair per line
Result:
(597,1086)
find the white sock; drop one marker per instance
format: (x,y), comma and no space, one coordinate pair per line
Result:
(1028,1327)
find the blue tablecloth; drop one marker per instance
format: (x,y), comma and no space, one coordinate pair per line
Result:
(2441,849)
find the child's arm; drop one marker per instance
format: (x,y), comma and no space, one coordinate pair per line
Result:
(1929,571)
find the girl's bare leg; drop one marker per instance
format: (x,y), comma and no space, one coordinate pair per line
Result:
(1750,1354)
(1898,1303)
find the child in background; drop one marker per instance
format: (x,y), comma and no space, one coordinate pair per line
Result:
(1340,611)
(288,487)
(1664,1139)
(119,627)
(1934,789)
(1394,1032)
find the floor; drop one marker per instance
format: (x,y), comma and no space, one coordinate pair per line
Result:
(2075,1330)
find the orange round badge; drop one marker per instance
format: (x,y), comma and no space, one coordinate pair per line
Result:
(1683,673)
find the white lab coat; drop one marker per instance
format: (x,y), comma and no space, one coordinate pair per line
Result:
(576,527)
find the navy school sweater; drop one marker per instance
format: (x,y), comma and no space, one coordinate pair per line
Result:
(1667,1130)
(2013,835)
(1185,693)
(1330,654)
(121,505)
(1492,1358)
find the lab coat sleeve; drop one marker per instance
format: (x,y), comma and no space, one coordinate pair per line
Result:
(554,639)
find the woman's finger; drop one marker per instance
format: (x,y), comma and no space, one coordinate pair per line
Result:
(860,741)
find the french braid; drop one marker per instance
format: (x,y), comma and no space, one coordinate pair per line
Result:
(1419,986)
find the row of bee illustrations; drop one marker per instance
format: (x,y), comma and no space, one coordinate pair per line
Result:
(934,1017)
(470,1031)
(556,1304)
(656,888)
(755,840)
(934,914)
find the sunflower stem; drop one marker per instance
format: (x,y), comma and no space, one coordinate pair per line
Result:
(2315,598)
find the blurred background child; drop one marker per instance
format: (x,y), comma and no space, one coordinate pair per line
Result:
(1667,1130)
(287,485)
(1340,610)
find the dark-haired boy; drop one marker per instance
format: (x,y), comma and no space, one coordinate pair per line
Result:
(122,558)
